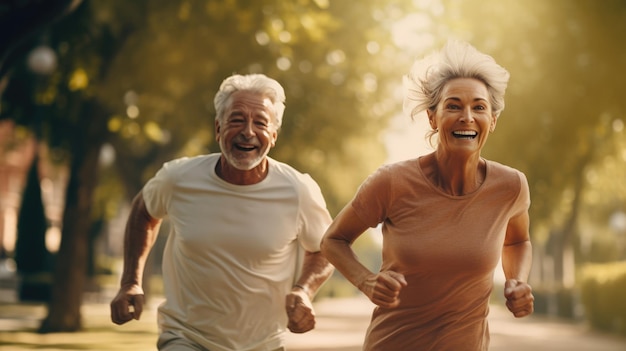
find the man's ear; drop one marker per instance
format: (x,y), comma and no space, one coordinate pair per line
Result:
(274,138)
(217,130)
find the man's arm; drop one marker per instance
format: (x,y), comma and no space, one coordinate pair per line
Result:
(139,237)
(315,271)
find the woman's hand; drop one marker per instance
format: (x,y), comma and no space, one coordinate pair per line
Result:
(519,298)
(383,288)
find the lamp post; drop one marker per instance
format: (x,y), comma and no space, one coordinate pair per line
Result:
(42,60)
(34,261)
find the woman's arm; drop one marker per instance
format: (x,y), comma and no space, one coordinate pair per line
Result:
(516,263)
(382,288)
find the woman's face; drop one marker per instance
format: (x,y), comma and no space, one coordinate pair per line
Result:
(464,116)
(248,130)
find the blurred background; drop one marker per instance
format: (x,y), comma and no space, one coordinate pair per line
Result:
(96,94)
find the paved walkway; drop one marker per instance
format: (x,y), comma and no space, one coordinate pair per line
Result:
(340,327)
(342,322)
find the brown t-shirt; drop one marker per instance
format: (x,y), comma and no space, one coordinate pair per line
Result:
(446,246)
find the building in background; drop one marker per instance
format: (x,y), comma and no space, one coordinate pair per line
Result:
(16,156)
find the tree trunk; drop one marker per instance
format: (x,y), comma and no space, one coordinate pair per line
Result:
(563,244)
(563,240)
(71,264)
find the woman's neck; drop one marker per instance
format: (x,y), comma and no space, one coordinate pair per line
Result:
(455,175)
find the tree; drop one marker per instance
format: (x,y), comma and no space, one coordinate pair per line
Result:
(75,123)
(561,103)
(319,64)
(141,76)
(22,19)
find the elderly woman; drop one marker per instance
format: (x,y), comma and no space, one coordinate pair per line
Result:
(447,217)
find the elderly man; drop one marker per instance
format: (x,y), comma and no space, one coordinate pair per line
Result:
(242,259)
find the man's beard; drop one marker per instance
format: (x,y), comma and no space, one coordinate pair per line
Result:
(242,164)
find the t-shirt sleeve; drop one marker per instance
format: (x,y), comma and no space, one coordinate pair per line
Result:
(522,203)
(315,217)
(157,192)
(372,198)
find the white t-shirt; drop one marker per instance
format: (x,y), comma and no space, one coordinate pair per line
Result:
(233,251)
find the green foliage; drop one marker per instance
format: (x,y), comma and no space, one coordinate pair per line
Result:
(562,102)
(602,289)
(153,67)
(559,301)
(173,65)
(340,65)
(141,75)
(173,55)
(150,69)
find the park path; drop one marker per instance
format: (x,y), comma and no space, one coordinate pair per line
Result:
(341,325)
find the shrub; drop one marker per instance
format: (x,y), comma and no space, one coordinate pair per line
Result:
(602,292)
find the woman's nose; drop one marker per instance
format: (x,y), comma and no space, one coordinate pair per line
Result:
(467,115)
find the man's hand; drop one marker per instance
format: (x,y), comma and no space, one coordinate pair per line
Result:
(300,311)
(519,298)
(127,305)
(383,288)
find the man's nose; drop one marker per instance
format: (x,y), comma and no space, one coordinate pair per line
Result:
(248,129)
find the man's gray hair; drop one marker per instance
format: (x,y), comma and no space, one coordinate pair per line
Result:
(258,83)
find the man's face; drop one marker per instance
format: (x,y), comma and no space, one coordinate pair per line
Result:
(247,130)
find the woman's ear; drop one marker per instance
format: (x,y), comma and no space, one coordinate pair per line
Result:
(431,119)
(494,120)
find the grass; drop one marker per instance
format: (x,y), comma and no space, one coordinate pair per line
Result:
(18,324)
(19,321)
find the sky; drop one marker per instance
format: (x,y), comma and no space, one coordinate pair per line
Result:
(406,138)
